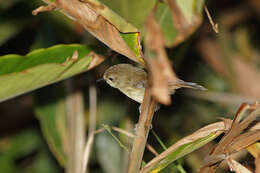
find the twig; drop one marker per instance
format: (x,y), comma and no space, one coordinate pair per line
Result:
(143,128)
(87,152)
(214,26)
(129,134)
(92,126)
(150,148)
(108,129)
(75,116)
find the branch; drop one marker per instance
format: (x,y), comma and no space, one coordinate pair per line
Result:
(92,126)
(143,128)
(75,116)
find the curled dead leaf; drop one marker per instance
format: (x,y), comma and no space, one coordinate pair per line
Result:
(87,13)
(235,139)
(96,60)
(158,64)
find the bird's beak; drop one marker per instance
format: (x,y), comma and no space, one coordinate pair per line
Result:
(100,80)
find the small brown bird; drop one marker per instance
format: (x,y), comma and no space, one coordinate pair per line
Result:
(131,81)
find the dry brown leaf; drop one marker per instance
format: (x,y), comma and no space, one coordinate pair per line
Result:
(158,64)
(244,140)
(255,127)
(86,14)
(234,140)
(236,166)
(184,28)
(96,60)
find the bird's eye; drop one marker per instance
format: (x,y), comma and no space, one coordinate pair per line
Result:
(111,79)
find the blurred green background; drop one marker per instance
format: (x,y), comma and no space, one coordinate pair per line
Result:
(226,63)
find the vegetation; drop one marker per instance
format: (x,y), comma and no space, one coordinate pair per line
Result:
(55,117)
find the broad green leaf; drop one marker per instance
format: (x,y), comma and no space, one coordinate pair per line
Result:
(164,19)
(182,151)
(50,110)
(186,6)
(191,11)
(21,74)
(133,11)
(184,147)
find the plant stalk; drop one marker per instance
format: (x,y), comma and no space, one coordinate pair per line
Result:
(143,128)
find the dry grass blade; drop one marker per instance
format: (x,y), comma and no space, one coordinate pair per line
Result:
(158,64)
(236,166)
(244,140)
(235,140)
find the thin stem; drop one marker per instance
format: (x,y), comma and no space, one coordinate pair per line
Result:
(75,115)
(143,128)
(152,150)
(92,126)
(108,129)
(214,26)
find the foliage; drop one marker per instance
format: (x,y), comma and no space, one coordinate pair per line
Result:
(67,38)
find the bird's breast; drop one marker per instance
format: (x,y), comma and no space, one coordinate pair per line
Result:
(136,94)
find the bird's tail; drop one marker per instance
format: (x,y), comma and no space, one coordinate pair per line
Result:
(181,83)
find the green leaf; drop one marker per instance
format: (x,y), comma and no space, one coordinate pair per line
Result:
(21,74)
(50,110)
(164,19)
(182,151)
(184,147)
(134,11)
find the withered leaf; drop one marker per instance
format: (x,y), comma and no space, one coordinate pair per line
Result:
(88,14)
(157,60)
